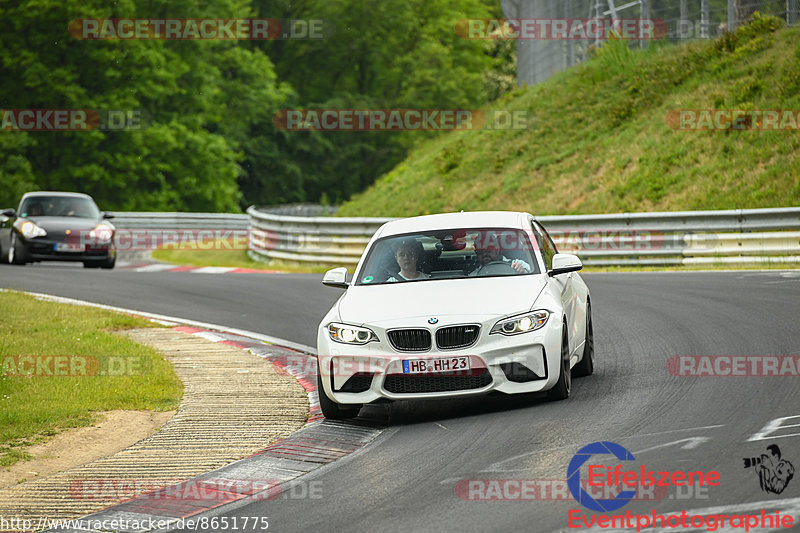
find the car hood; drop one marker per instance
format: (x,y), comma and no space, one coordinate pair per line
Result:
(447,300)
(61,224)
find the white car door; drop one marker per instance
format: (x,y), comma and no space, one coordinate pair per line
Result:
(563,284)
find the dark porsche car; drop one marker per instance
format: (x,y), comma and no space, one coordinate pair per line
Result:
(57,226)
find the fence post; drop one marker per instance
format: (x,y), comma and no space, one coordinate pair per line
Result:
(791,12)
(645,15)
(683,21)
(705,19)
(598,14)
(731,15)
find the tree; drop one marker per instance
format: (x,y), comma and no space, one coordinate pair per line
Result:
(186,155)
(379,55)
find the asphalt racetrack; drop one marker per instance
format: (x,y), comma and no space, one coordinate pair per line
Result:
(435,460)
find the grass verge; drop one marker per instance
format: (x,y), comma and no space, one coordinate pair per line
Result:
(189,254)
(61,363)
(599,137)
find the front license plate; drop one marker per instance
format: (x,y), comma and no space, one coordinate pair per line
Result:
(68,247)
(445,364)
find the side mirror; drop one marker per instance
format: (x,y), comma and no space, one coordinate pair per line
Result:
(107,216)
(336,277)
(563,263)
(9,213)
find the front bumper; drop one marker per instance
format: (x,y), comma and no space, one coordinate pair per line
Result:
(359,374)
(44,249)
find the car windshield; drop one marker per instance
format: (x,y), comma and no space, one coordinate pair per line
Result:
(58,206)
(449,254)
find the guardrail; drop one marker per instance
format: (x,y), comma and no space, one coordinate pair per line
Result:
(741,236)
(144,223)
(331,240)
(170,221)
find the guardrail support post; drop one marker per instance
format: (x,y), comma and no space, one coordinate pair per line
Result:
(645,15)
(705,18)
(683,22)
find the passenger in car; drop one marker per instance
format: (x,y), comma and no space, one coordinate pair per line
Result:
(407,254)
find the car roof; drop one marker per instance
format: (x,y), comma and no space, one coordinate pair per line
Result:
(56,193)
(473,219)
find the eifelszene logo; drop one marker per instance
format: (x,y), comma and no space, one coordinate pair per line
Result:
(774,473)
(774,477)
(617,476)
(574,477)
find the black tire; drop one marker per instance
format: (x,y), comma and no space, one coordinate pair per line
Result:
(3,256)
(563,386)
(586,365)
(332,410)
(17,254)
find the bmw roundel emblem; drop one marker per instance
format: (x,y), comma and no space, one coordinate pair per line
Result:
(433,320)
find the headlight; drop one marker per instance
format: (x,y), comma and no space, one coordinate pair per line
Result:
(29,230)
(350,334)
(521,323)
(103,233)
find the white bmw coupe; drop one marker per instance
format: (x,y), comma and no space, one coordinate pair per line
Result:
(450,305)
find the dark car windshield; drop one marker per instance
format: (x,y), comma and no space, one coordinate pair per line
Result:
(58,206)
(449,254)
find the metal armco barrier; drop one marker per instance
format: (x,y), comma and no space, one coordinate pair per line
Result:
(729,221)
(327,240)
(741,236)
(142,222)
(164,221)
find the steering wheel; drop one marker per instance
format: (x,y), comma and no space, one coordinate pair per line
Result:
(495,268)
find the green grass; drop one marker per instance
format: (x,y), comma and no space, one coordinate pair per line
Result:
(598,140)
(112,373)
(12,456)
(186,255)
(195,257)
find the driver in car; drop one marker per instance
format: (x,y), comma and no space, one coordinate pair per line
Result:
(487,249)
(35,210)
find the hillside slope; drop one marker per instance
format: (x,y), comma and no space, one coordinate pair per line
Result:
(598,139)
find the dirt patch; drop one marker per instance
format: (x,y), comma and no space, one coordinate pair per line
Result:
(114,431)
(234,405)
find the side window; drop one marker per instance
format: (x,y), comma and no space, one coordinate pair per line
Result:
(545,245)
(549,240)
